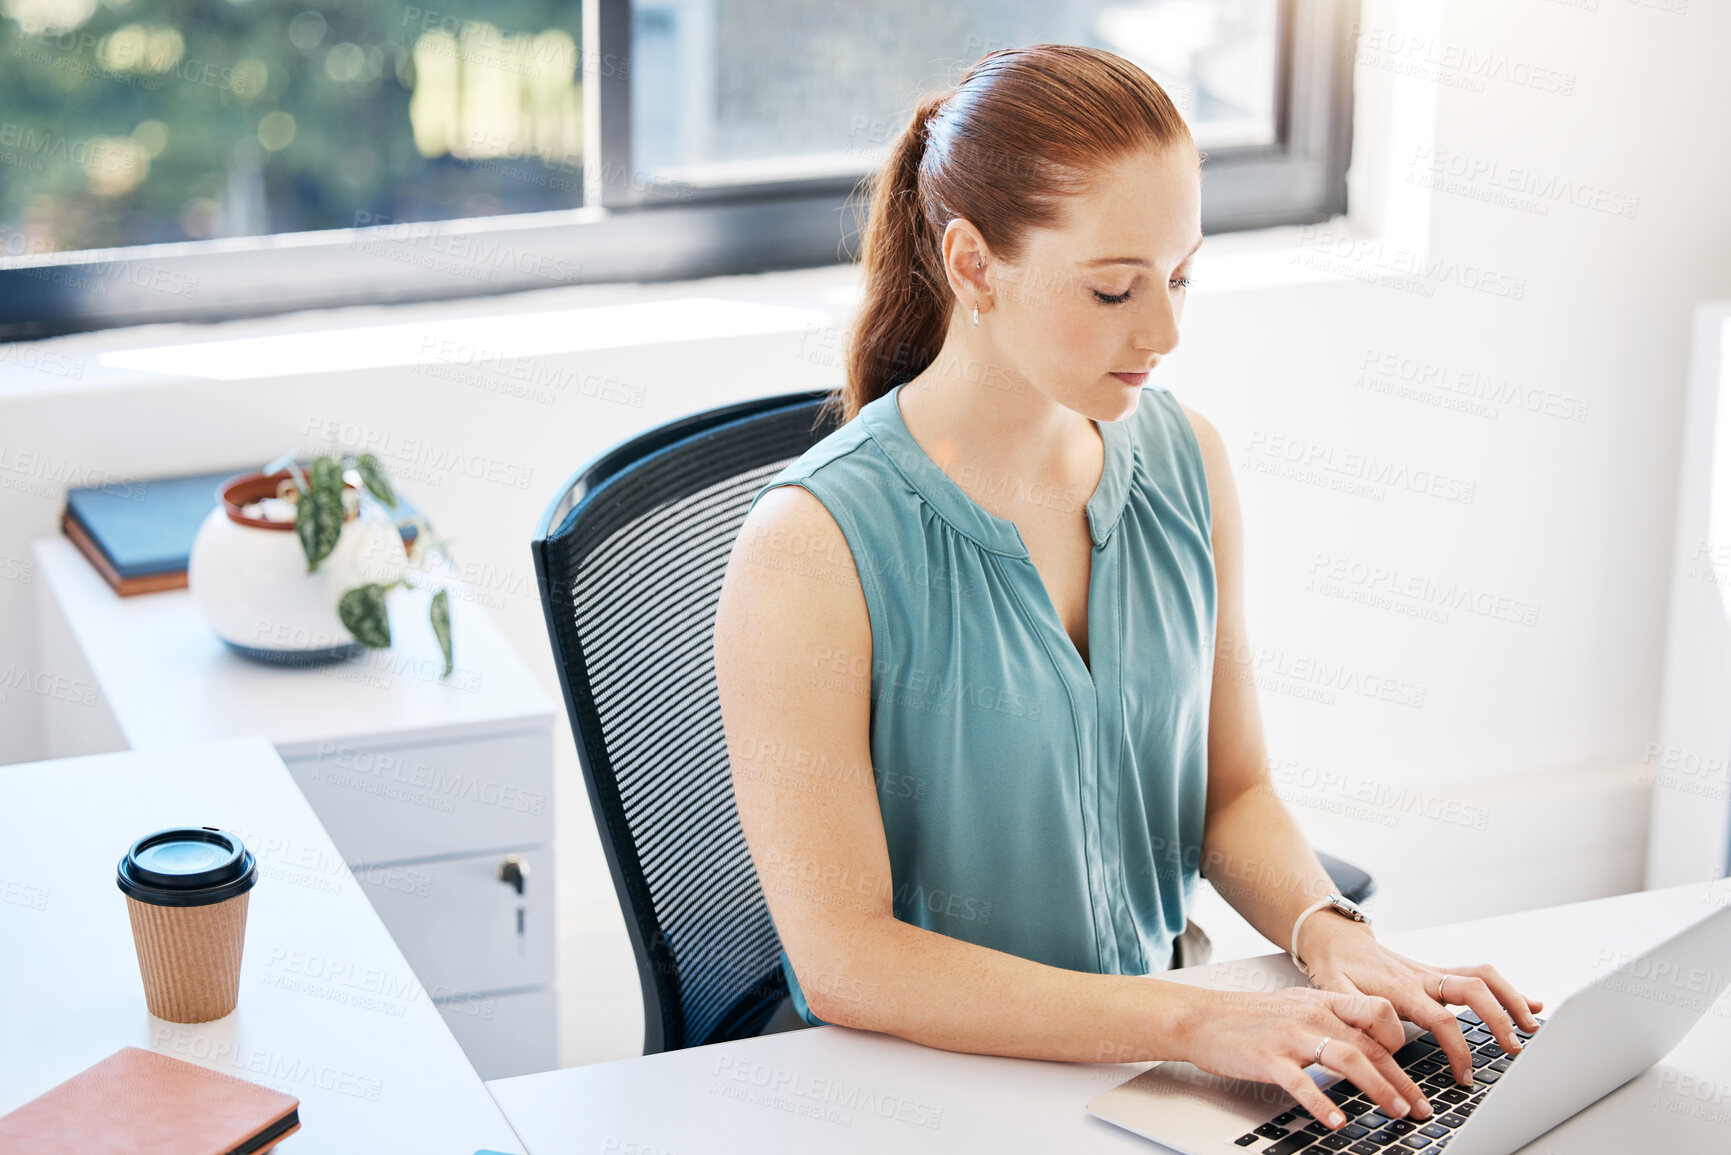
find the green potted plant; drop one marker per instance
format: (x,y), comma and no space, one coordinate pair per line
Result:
(352,542)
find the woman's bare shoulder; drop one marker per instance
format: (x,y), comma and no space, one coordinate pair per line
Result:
(792,569)
(1208,437)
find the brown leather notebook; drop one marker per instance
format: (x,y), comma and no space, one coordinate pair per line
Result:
(138,1102)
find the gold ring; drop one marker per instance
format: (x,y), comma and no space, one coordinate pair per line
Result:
(1439,989)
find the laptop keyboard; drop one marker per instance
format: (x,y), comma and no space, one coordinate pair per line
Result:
(1369,1131)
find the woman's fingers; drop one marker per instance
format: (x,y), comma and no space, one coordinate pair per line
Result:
(1520,1008)
(1349,1061)
(1476,993)
(1373,1070)
(1372,1014)
(1364,1052)
(1363,1031)
(1446,1029)
(1420,1007)
(1300,1086)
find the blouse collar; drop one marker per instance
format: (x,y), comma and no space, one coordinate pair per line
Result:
(882,418)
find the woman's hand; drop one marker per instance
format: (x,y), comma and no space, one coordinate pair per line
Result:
(1272,1038)
(1344,958)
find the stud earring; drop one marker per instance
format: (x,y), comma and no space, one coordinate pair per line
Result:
(976,314)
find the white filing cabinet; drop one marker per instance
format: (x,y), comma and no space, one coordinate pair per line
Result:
(437,792)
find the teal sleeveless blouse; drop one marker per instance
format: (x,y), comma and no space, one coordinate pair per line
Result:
(1031,804)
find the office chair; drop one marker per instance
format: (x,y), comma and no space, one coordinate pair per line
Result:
(629,557)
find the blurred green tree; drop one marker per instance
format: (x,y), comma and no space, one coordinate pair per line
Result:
(128,122)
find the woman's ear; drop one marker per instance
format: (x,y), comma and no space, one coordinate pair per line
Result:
(967,264)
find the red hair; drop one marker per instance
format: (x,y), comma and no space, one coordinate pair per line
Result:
(1022,129)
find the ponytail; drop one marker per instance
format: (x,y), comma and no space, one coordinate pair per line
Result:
(900,326)
(1022,130)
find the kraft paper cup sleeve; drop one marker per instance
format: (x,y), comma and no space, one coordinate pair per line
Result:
(189,957)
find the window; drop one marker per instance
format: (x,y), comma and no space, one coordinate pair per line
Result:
(149,121)
(706,113)
(166,159)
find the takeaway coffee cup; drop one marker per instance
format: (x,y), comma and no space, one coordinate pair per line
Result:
(186,893)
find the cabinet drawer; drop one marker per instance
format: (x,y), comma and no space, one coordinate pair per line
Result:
(506,1035)
(385,804)
(457,924)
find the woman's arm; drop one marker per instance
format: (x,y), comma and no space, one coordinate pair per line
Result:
(1253,852)
(1257,858)
(793,660)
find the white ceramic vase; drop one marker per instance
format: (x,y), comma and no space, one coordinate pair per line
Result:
(249,577)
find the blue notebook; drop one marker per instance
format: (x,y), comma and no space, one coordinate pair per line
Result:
(145,528)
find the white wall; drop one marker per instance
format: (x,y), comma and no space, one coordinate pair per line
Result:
(1523,743)
(1691,824)
(1575,517)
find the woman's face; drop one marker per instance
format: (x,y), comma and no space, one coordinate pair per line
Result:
(1093,304)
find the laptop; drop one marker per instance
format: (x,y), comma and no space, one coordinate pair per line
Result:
(1595,1041)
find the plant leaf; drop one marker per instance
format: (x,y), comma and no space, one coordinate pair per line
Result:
(362,610)
(374,478)
(441,615)
(319,516)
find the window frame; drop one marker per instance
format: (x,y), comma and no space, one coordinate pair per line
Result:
(631,231)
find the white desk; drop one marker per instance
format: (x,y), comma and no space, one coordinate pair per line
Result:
(426,785)
(715,1099)
(329,1010)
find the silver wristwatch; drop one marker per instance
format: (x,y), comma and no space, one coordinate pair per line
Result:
(1337,902)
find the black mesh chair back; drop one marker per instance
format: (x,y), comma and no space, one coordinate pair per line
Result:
(630,557)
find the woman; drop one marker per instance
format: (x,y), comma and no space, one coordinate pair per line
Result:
(980,747)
